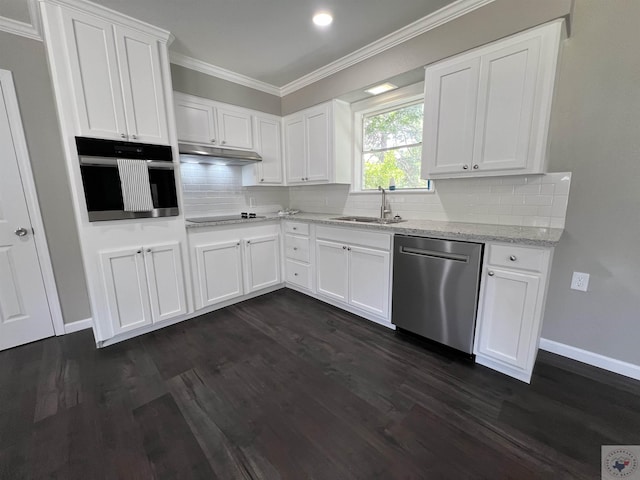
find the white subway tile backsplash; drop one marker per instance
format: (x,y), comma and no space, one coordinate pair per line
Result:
(536,200)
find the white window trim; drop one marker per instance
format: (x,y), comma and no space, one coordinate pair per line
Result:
(385,102)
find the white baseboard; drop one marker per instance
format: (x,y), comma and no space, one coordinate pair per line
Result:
(607,363)
(78,325)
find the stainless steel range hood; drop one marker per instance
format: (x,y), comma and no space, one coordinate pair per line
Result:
(216,155)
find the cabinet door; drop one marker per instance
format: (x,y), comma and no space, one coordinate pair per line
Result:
(262,262)
(369,272)
(332,270)
(94,71)
(194,122)
(126,286)
(219,272)
(319,143)
(506,106)
(142,86)
(451,96)
(294,148)
(234,128)
(268,144)
(165,275)
(507,323)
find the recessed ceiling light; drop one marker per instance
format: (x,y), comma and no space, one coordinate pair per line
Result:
(378,89)
(322,19)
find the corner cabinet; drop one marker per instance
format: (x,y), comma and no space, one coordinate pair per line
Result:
(318,144)
(117,82)
(487,111)
(268,143)
(144,285)
(511,307)
(231,262)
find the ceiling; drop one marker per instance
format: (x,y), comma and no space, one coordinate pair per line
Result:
(273,41)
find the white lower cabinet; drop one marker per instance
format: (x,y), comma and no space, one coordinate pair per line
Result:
(511,308)
(231,262)
(298,262)
(354,268)
(212,259)
(144,285)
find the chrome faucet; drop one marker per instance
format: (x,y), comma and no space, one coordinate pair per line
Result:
(384,208)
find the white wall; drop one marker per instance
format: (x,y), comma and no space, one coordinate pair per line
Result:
(595,133)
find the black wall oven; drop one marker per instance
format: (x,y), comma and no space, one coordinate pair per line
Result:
(108,182)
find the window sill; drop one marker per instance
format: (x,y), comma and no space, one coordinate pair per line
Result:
(393,192)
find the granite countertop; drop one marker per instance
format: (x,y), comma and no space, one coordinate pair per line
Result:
(475,232)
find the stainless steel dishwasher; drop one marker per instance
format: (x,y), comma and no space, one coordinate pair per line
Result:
(435,289)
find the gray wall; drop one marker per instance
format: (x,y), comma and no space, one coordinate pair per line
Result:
(496,20)
(27,60)
(595,133)
(190,81)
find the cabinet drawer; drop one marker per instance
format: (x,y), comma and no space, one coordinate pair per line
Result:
(297,228)
(517,257)
(297,247)
(298,273)
(354,236)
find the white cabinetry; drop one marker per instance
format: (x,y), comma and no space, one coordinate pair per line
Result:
(229,262)
(298,255)
(487,111)
(318,144)
(118,88)
(511,307)
(144,285)
(199,120)
(354,268)
(268,143)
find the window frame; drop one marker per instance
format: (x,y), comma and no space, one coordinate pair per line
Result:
(394,100)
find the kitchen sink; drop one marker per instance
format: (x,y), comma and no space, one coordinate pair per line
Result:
(356,219)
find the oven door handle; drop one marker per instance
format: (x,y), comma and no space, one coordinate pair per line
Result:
(113,162)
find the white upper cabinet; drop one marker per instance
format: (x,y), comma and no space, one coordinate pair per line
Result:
(118,87)
(200,120)
(268,143)
(487,111)
(318,144)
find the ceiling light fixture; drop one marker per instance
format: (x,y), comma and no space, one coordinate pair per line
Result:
(378,89)
(322,19)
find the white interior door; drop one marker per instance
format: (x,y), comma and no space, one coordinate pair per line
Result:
(24,311)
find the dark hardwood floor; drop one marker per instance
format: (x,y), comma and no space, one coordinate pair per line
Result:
(286,387)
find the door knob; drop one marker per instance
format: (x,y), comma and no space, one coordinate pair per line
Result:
(465,167)
(21,232)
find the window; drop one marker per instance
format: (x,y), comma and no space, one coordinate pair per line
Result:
(391,140)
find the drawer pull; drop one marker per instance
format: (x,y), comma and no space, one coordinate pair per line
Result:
(295,274)
(513,258)
(295,249)
(490,273)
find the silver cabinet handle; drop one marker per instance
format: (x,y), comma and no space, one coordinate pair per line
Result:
(295,249)
(139,252)
(491,273)
(344,247)
(513,258)
(465,167)
(295,274)
(122,135)
(213,140)
(475,167)
(248,242)
(238,244)
(295,228)
(349,248)
(148,250)
(135,137)
(222,142)
(21,232)
(262,179)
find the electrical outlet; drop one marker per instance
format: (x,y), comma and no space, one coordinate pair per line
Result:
(580,281)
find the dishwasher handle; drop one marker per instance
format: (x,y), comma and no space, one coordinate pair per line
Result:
(435,254)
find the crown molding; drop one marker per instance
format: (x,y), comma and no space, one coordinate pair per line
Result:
(29,30)
(91,8)
(431,21)
(224,74)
